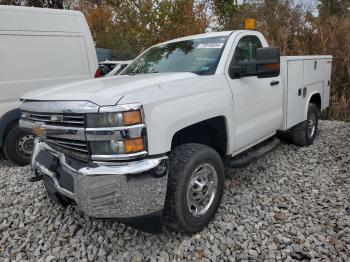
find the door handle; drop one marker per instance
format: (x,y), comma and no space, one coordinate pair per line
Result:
(274,83)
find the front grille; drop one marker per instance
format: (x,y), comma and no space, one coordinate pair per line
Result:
(80,146)
(62,119)
(75,148)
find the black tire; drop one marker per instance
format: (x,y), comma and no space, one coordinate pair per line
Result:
(2,156)
(303,134)
(53,194)
(13,145)
(183,163)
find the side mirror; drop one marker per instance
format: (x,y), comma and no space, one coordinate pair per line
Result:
(268,62)
(236,70)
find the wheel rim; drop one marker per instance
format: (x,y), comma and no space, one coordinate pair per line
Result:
(311,125)
(202,189)
(25,145)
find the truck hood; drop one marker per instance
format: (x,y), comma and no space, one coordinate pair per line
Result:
(104,91)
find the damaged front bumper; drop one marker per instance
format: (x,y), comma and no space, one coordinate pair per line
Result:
(130,192)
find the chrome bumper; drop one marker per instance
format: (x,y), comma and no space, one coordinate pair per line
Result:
(115,190)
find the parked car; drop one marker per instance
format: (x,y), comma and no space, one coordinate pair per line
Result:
(39,48)
(149,145)
(110,68)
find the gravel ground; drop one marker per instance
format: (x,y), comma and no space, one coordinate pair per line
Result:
(292,204)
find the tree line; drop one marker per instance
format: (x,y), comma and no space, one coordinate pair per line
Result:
(298,27)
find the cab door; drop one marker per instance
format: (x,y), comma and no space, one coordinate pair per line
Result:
(257,102)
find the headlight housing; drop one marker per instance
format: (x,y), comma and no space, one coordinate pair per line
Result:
(117,132)
(114,119)
(127,146)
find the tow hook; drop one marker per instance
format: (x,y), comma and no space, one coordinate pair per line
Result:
(35,178)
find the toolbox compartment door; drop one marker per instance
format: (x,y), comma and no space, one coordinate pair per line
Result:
(313,71)
(295,98)
(326,87)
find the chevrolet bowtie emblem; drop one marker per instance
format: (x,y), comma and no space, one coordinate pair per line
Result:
(38,131)
(56,118)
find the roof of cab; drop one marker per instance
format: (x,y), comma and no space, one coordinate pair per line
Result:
(198,36)
(210,34)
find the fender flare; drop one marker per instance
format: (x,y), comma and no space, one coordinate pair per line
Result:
(174,132)
(6,120)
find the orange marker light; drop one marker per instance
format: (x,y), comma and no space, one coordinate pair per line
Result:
(271,66)
(132,118)
(133,145)
(249,24)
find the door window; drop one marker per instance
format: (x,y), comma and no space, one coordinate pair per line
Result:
(246,51)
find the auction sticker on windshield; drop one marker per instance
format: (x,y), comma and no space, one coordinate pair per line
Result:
(211,45)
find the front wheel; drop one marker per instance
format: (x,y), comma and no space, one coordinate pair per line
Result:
(304,133)
(196,181)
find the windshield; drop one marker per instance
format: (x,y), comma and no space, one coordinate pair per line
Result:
(199,56)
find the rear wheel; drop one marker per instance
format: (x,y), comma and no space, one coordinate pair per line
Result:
(18,145)
(304,134)
(196,180)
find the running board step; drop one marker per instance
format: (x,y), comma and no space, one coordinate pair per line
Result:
(244,159)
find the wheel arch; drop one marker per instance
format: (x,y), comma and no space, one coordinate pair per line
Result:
(6,120)
(316,99)
(212,132)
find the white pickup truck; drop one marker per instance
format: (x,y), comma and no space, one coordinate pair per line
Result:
(149,146)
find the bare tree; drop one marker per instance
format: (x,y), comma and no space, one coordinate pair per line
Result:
(58,4)
(11,2)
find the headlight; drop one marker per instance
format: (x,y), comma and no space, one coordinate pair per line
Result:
(127,146)
(117,132)
(114,119)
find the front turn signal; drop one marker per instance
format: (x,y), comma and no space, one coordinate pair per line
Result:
(132,118)
(134,145)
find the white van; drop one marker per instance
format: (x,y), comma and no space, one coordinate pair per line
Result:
(38,48)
